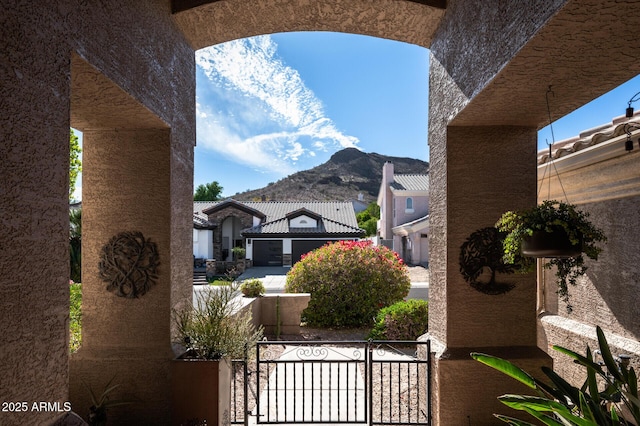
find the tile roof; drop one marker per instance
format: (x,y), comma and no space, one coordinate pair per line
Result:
(336,217)
(202,223)
(588,138)
(410,183)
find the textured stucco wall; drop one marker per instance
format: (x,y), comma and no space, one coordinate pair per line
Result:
(607,296)
(470,186)
(490,65)
(470,47)
(222,21)
(125,338)
(34,215)
(137,46)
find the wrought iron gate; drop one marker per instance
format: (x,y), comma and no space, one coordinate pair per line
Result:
(336,382)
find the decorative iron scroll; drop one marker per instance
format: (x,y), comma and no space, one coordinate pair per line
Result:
(321,353)
(129,264)
(480,260)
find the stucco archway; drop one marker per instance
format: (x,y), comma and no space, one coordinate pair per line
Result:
(490,67)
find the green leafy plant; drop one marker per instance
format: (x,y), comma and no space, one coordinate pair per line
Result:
(609,395)
(349,282)
(252,287)
(75,316)
(545,217)
(215,328)
(404,320)
(102,403)
(239,253)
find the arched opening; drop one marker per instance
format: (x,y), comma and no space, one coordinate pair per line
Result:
(126,151)
(490,69)
(231,237)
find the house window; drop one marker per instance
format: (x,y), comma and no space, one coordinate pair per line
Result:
(409,205)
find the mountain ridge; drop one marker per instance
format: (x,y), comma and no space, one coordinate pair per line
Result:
(346,174)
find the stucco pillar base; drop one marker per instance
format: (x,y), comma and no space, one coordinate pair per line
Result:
(465,391)
(133,372)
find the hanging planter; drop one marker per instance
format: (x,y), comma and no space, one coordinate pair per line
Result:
(551,244)
(553,230)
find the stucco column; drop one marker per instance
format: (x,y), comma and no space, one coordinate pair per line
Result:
(34,229)
(126,187)
(481,172)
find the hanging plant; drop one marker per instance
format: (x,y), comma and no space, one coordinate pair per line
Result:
(551,217)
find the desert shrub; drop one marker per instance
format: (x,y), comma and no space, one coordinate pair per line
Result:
(214,327)
(404,320)
(252,288)
(75,317)
(349,282)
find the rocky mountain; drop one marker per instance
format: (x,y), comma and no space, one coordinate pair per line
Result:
(346,174)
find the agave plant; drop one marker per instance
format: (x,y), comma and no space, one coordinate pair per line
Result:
(102,403)
(608,397)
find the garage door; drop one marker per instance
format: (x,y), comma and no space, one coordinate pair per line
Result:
(267,252)
(300,247)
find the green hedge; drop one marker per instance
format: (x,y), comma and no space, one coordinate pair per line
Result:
(405,320)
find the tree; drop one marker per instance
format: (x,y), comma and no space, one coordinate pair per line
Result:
(208,192)
(75,164)
(75,244)
(368,218)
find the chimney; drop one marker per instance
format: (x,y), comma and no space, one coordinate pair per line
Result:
(387,173)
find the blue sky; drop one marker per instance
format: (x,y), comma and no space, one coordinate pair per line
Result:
(272,105)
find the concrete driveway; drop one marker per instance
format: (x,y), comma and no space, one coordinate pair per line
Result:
(275,277)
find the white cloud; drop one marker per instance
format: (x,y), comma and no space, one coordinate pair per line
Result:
(254,109)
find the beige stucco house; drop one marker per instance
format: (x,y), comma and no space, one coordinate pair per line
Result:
(404,214)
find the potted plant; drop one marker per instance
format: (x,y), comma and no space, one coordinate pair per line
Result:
(556,231)
(212,333)
(239,253)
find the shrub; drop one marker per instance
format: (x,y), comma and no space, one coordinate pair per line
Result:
(252,288)
(75,317)
(404,320)
(213,327)
(349,282)
(239,252)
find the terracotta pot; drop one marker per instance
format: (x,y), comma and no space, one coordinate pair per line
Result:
(201,389)
(550,244)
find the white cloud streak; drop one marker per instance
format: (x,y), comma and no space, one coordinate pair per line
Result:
(256,110)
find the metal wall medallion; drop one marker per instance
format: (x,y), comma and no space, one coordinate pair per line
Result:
(480,260)
(129,264)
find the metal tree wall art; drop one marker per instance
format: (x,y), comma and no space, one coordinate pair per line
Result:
(129,264)
(480,259)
